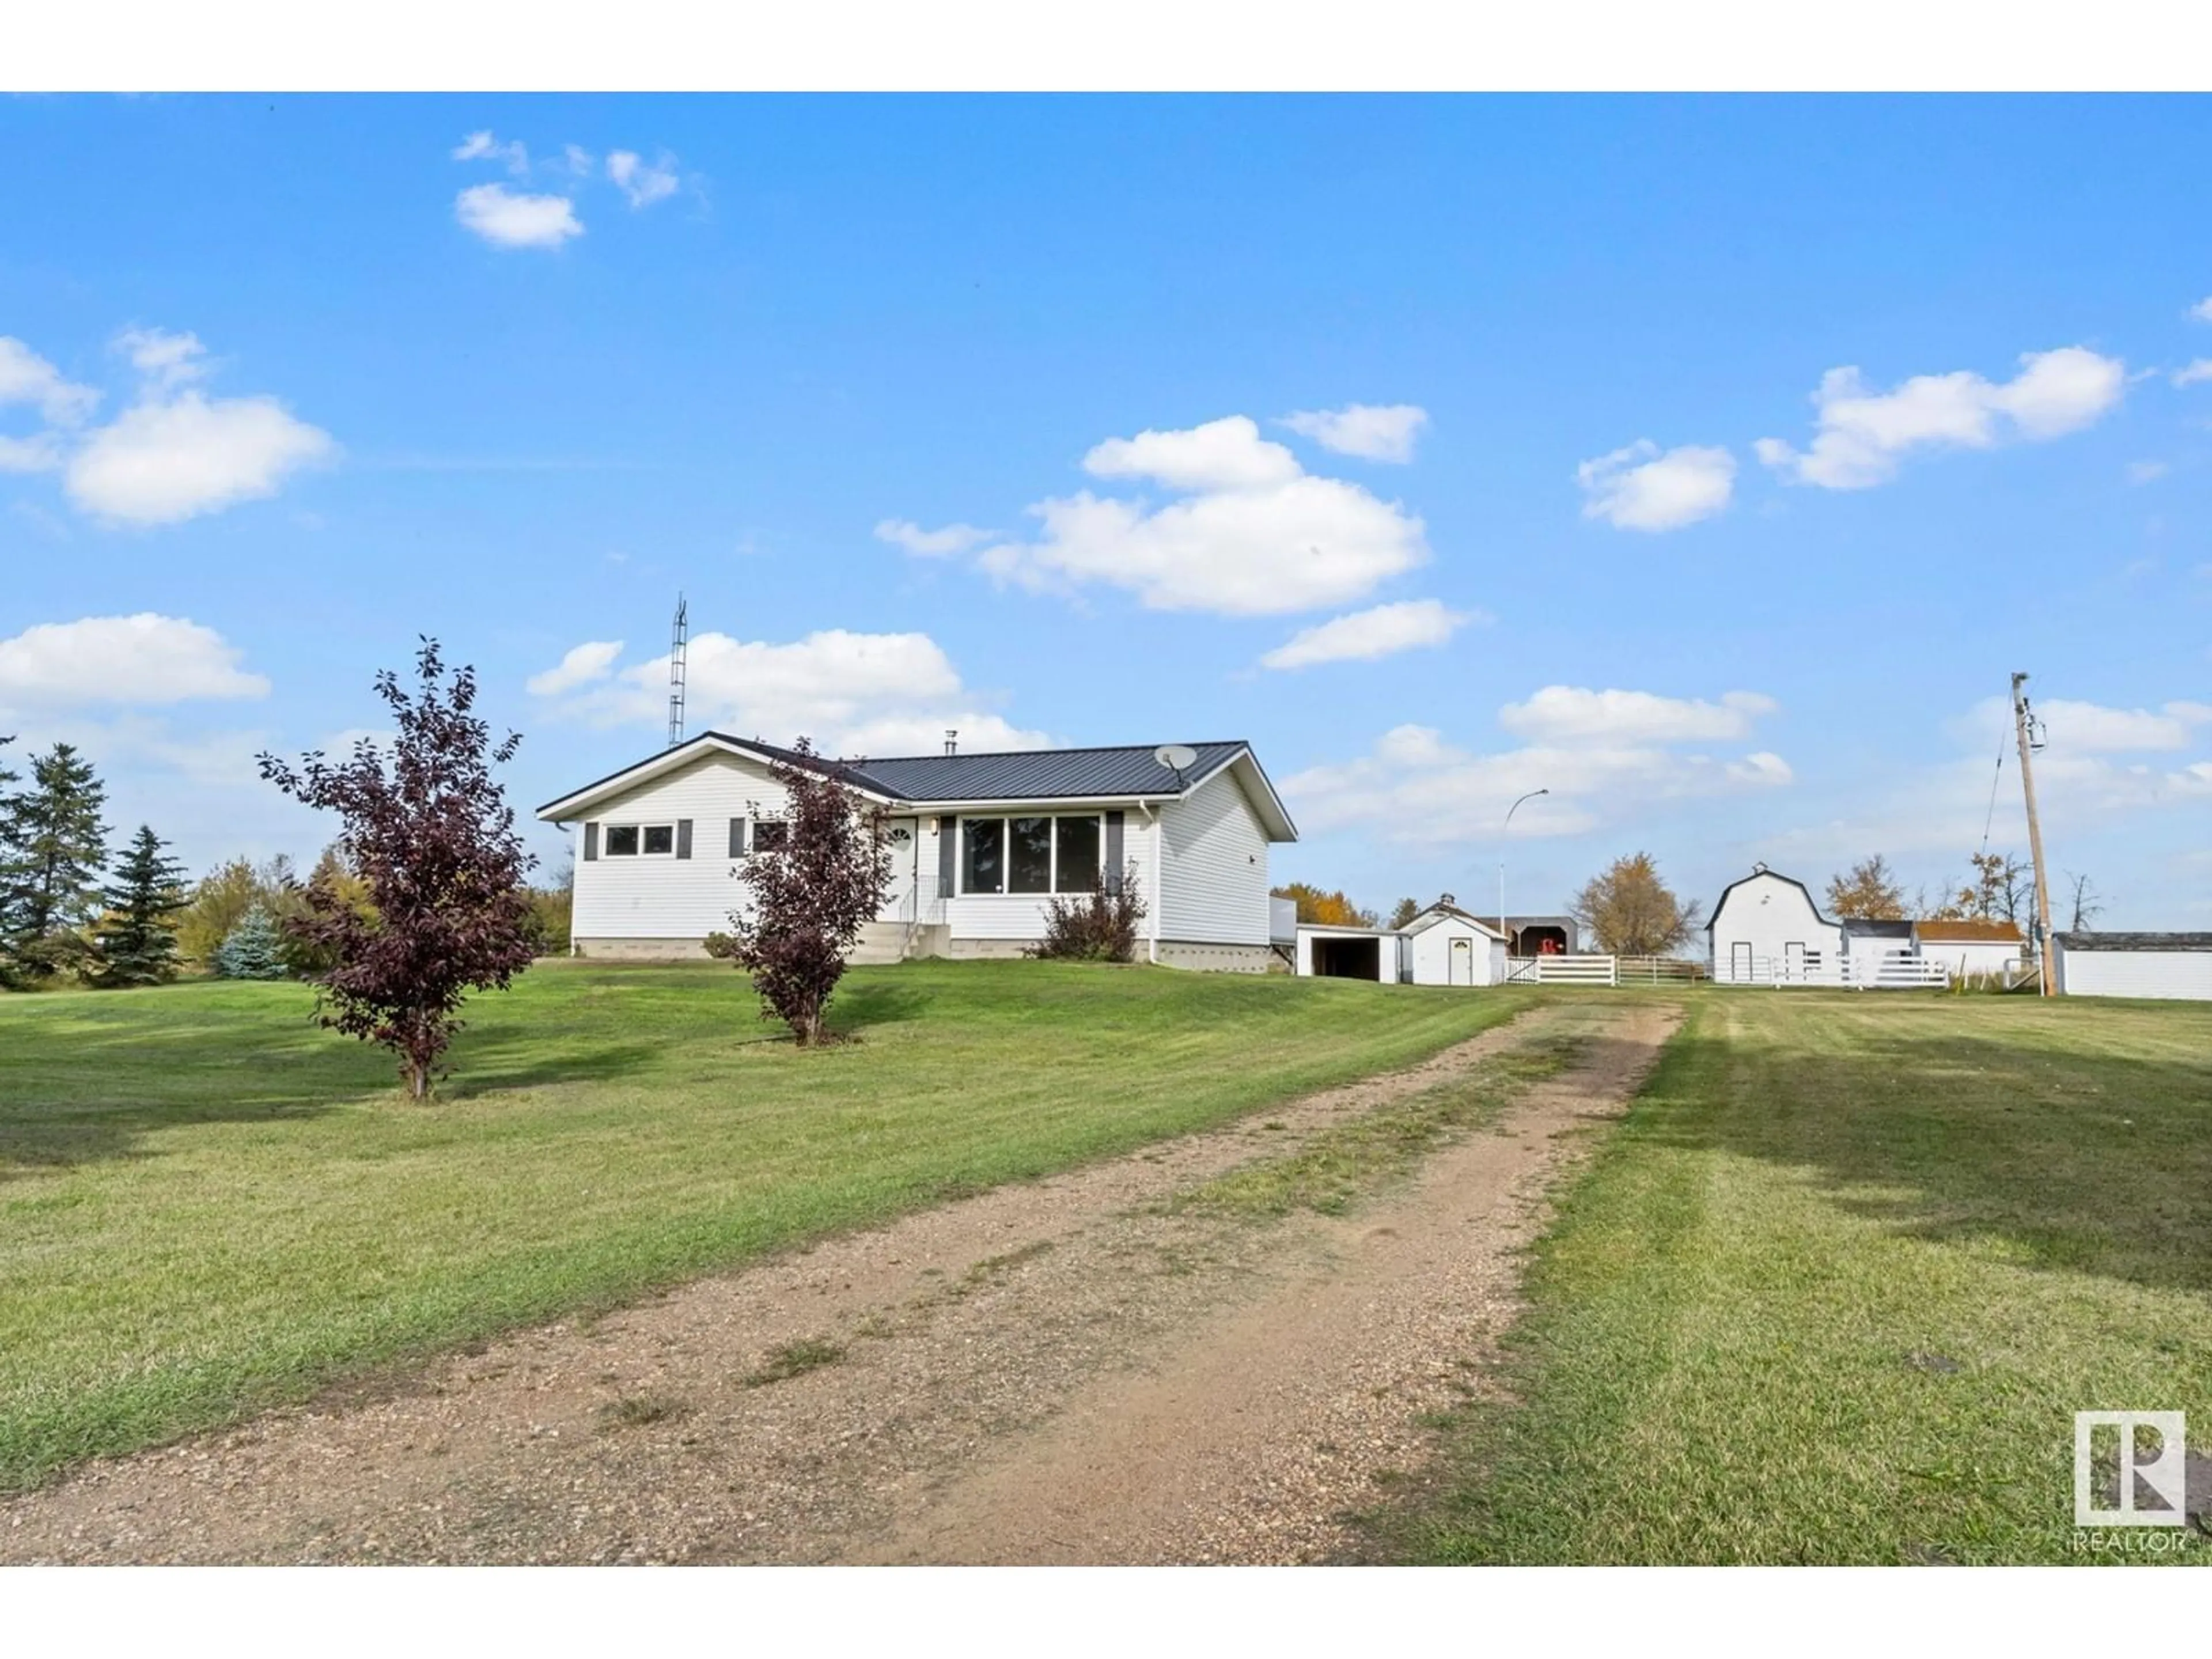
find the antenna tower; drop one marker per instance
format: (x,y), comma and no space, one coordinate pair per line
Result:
(679,637)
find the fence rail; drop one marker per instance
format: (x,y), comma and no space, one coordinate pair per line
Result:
(1563,970)
(1815,967)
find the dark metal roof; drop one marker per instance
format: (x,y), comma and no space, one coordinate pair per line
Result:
(1124,772)
(1877,927)
(2135,941)
(1037,774)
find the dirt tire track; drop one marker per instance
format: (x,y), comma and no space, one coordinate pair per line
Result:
(1053,1372)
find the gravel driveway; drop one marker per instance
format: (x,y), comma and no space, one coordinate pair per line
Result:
(1070,1371)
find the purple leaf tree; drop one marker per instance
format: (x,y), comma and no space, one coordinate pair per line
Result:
(811,895)
(430,832)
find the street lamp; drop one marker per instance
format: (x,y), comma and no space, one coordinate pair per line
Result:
(1507,825)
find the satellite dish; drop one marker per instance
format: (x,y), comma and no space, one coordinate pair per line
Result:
(1175,756)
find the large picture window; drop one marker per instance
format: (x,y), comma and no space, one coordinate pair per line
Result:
(1029,854)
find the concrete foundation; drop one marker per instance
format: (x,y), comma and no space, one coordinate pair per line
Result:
(885,942)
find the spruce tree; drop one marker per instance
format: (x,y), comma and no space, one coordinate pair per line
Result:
(255,950)
(52,846)
(136,939)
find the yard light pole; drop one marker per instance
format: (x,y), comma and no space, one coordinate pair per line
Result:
(1507,825)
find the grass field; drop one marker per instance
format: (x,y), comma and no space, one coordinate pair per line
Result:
(1835,1289)
(207,1205)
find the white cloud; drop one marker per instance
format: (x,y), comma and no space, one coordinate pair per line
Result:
(1374,432)
(1224,454)
(584,663)
(952,538)
(1861,435)
(642,182)
(166,360)
(1255,535)
(1365,635)
(28,378)
(852,694)
(2197,369)
(507,219)
(483,147)
(2203,310)
(2142,472)
(1573,713)
(1639,488)
(1415,788)
(161,462)
(580,160)
(40,453)
(147,659)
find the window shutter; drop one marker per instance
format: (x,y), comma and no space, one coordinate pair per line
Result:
(1114,858)
(591,840)
(683,838)
(737,838)
(948,852)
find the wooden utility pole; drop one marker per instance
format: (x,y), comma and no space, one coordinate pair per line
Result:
(2020,725)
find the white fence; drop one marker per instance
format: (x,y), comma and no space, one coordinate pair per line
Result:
(1895,972)
(1563,970)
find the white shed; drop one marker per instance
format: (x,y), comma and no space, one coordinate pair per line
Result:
(1445,945)
(1971,950)
(2178,966)
(1325,951)
(1766,929)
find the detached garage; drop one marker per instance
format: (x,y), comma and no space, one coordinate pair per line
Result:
(2176,966)
(1327,952)
(1442,946)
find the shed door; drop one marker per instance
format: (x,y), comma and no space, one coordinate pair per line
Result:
(1462,962)
(1793,959)
(1739,960)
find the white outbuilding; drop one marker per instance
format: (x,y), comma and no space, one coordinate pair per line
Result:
(1972,950)
(1446,945)
(1442,946)
(1766,929)
(2176,966)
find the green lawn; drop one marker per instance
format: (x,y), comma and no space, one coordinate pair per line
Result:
(208,1205)
(1834,1290)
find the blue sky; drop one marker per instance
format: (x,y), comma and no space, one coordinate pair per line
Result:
(871,380)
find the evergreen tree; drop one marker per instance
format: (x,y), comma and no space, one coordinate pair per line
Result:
(137,940)
(255,950)
(52,846)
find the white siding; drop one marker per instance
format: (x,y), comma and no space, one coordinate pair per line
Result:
(672,898)
(1770,913)
(2181,976)
(1963,960)
(1216,880)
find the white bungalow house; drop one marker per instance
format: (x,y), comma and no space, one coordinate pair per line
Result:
(1442,946)
(980,843)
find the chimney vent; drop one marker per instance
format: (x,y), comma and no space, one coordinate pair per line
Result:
(952,742)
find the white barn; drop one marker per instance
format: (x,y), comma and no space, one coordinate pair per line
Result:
(1766,928)
(2176,966)
(980,845)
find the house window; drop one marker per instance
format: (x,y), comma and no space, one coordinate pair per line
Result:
(1029,861)
(1076,869)
(982,855)
(771,835)
(1029,854)
(630,841)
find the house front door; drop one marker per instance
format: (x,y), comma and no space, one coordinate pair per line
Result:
(904,836)
(1462,962)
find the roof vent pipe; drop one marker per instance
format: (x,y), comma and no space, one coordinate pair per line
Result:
(952,741)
